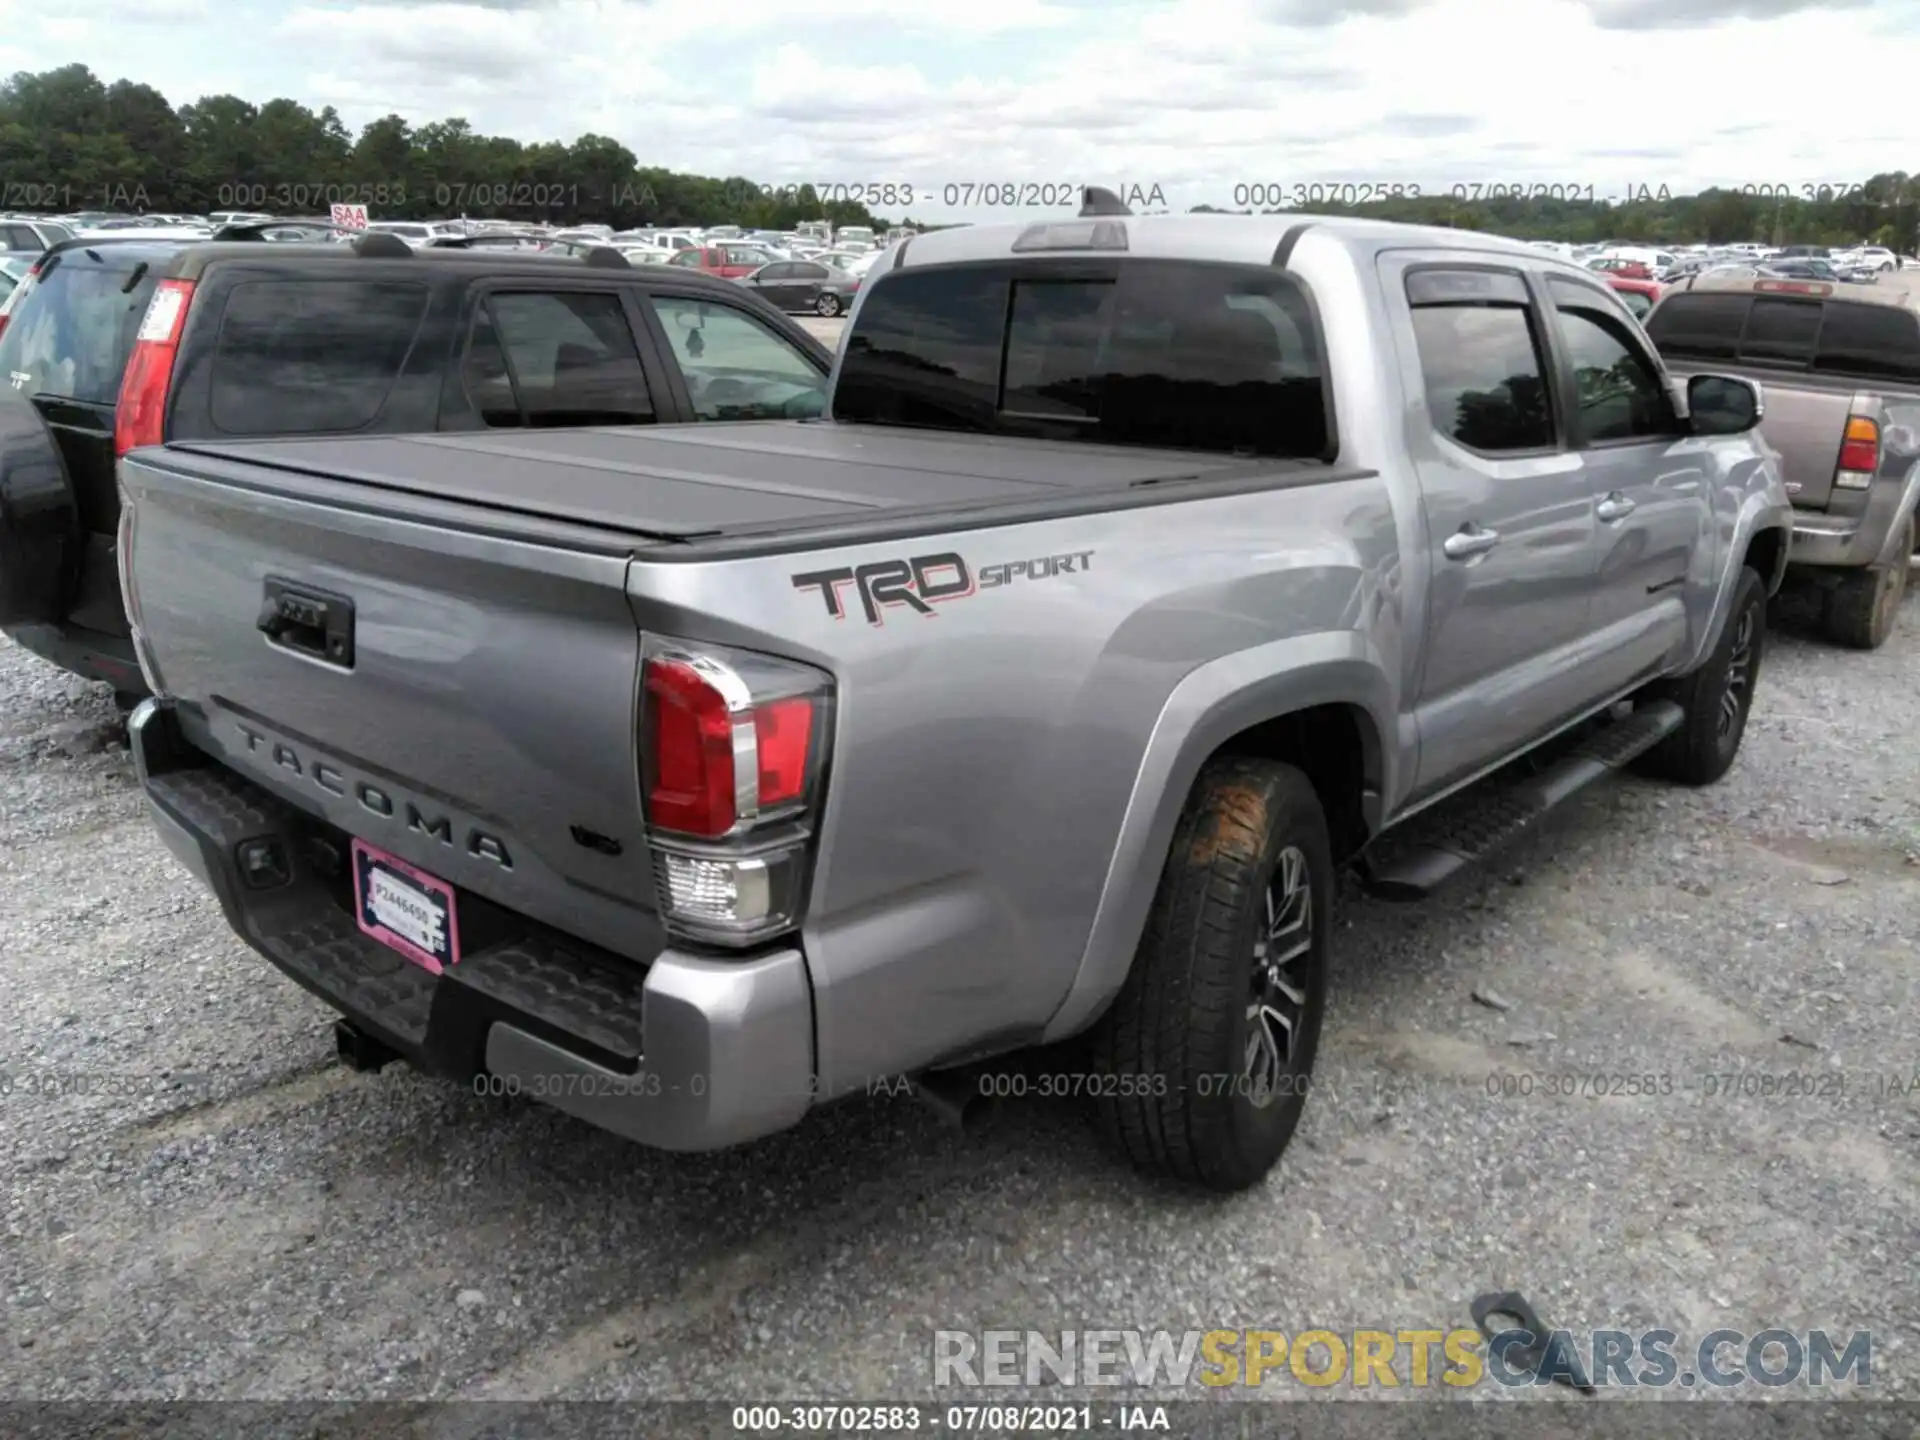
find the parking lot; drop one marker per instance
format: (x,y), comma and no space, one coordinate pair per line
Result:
(230,1213)
(827,331)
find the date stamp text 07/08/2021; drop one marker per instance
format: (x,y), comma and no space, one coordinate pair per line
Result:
(1811,1087)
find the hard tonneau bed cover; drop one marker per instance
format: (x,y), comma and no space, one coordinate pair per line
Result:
(685,484)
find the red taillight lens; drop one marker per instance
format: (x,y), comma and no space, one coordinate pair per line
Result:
(731,777)
(784,732)
(1861,449)
(140,416)
(687,747)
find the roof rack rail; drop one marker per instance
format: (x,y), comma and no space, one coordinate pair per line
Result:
(1098,200)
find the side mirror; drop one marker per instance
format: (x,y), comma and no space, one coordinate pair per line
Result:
(1723,404)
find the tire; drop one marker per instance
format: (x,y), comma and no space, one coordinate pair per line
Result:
(1717,697)
(1861,609)
(828,305)
(1173,1058)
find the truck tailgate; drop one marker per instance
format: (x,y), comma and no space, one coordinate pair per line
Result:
(484,727)
(1806,424)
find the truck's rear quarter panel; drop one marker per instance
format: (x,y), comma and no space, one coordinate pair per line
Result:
(986,754)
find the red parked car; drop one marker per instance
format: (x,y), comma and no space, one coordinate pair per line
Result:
(729,262)
(1638,293)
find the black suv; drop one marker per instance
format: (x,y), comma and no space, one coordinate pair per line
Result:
(113,344)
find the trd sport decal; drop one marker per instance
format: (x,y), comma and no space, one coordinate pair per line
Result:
(924,581)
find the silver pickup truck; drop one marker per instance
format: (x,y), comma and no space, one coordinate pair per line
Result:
(1146,571)
(1840,369)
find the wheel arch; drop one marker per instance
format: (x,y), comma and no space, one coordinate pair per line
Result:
(1766,552)
(1321,702)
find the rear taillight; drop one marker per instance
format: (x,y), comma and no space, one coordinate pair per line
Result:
(140,418)
(1859,454)
(732,751)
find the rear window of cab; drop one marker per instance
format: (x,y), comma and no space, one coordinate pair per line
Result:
(1170,354)
(1833,337)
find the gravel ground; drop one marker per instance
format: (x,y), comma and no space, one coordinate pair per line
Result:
(249,1220)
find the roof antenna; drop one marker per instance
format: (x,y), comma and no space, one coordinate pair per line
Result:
(1098,200)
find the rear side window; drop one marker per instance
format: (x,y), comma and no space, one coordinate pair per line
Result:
(734,367)
(1699,326)
(71,330)
(556,358)
(1167,354)
(1781,330)
(1480,362)
(311,356)
(1876,340)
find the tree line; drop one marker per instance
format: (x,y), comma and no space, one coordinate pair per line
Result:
(70,142)
(1882,210)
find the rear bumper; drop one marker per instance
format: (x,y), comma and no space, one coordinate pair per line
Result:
(1852,541)
(689,1054)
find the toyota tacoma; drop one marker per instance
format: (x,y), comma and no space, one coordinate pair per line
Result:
(1143,574)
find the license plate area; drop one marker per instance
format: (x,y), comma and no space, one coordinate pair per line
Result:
(405,908)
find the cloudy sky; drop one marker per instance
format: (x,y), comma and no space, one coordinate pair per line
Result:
(1200,98)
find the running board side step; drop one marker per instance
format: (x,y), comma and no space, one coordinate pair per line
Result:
(1411,862)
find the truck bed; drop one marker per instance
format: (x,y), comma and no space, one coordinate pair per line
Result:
(799,482)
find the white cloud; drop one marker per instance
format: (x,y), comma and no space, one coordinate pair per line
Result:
(66,29)
(1195,96)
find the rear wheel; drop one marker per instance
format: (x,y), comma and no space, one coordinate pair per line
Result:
(1861,609)
(1717,697)
(1205,1058)
(828,305)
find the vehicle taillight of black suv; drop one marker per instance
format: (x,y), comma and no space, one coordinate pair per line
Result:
(113,345)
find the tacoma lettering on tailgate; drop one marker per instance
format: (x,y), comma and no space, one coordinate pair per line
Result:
(924,580)
(378,801)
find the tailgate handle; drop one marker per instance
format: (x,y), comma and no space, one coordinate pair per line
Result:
(308,622)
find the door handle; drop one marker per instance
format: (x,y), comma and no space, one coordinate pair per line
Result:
(1615,507)
(1469,541)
